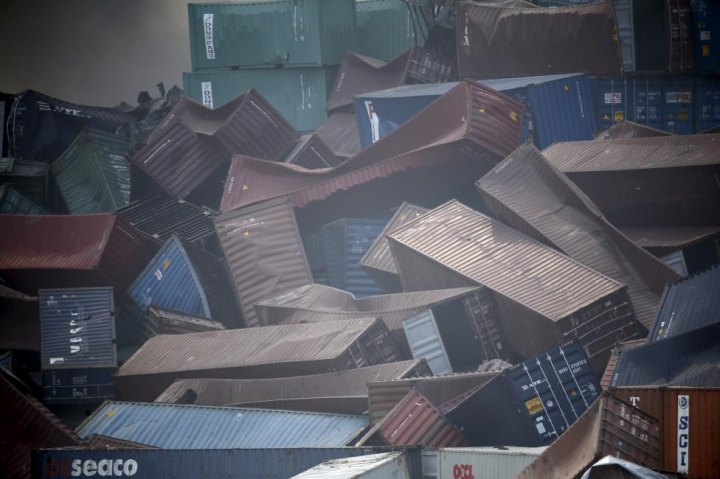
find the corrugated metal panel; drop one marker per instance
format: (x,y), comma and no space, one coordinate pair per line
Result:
(707,94)
(78,328)
(532,403)
(425,342)
(93,174)
(277,463)
(415,421)
(264,251)
(174,426)
(273,351)
(383,395)
(218,392)
(687,305)
(629,129)
(354,405)
(298,94)
(386,28)
(77,386)
(610,427)
(487,462)
(557,296)
(703,416)
(436,139)
(26,425)
(678,105)
(661,241)
(346,241)
(165,321)
(193,141)
(688,360)
(612,363)
(13,202)
(378,260)
(185,278)
(526,192)
(29,177)
(312,153)
(160,217)
(706,31)
(304,33)
(97,441)
(644,181)
(427,67)
(558,40)
(637,99)
(389,465)
(340,133)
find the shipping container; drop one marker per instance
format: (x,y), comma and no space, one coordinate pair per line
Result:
(484,462)
(312,153)
(19,321)
(77,386)
(689,420)
(276,463)
(414,421)
(353,382)
(287,33)
(425,342)
(29,178)
(386,28)
(521,191)
(378,261)
(165,321)
(455,246)
(345,243)
(13,202)
(688,304)
(340,133)
(263,250)
(6,104)
(531,403)
(93,174)
(707,95)
(706,33)
(353,405)
(298,94)
(610,427)
(179,426)
(678,105)
(185,278)
(390,465)
(696,248)
(254,353)
(630,129)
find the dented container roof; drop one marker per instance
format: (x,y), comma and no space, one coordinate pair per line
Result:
(175,426)
(629,129)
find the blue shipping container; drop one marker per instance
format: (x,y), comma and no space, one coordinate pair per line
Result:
(678,106)
(73,386)
(200,464)
(706,35)
(346,242)
(707,103)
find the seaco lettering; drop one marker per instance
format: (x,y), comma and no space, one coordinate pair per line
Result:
(91,468)
(683,434)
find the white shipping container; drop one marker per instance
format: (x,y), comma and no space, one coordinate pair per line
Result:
(391,465)
(425,341)
(485,462)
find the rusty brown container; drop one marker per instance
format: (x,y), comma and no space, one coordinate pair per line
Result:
(312,152)
(690,426)
(610,427)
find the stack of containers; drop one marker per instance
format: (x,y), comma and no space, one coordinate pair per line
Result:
(290,51)
(387,28)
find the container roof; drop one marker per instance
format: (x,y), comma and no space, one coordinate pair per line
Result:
(629,129)
(350,467)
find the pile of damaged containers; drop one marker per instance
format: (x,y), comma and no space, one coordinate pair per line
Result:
(383,238)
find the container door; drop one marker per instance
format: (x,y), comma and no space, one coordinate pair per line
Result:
(706,35)
(425,342)
(481,310)
(575,377)
(678,105)
(707,101)
(646,100)
(612,101)
(626,33)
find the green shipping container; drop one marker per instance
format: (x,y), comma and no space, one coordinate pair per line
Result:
(299,94)
(386,28)
(267,33)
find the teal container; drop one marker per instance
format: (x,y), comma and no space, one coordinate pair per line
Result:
(299,94)
(385,28)
(266,33)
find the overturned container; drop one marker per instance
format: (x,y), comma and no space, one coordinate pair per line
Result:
(484,462)
(165,321)
(376,466)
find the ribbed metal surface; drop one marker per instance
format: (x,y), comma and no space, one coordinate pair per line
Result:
(174,426)
(425,342)
(415,421)
(629,129)
(26,425)
(707,93)
(29,177)
(345,243)
(389,465)
(459,246)
(687,305)
(78,328)
(97,441)
(13,202)
(270,352)
(263,249)
(445,137)
(308,32)
(166,321)
(298,94)
(526,192)
(492,462)
(161,217)
(93,174)
(340,133)
(610,427)
(378,260)
(312,153)
(706,20)
(353,382)
(354,405)
(612,363)
(385,28)
(688,360)
(498,42)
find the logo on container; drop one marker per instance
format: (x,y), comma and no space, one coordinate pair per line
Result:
(91,468)
(463,471)
(207,98)
(208,31)
(683,435)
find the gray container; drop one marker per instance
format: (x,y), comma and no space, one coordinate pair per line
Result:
(425,342)
(485,462)
(389,465)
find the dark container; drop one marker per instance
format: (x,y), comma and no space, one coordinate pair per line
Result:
(532,403)
(706,35)
(73,386)
(29,178)
(707,98)
(427,67)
